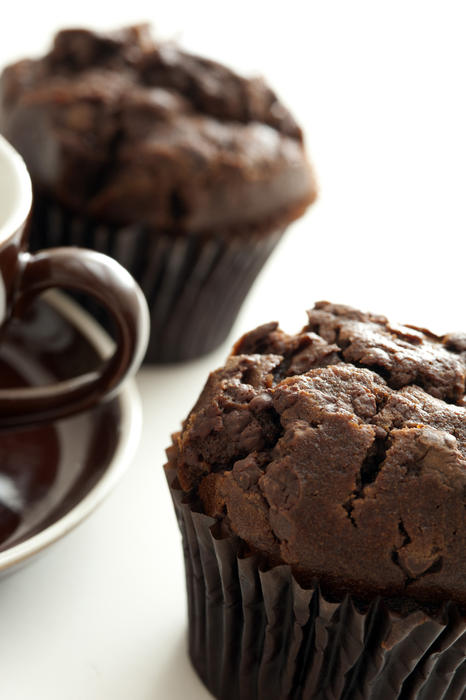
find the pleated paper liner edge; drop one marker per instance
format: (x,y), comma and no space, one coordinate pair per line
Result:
(258,635)
(194,284)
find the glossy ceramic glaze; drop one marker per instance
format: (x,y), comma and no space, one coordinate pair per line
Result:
(15,204)
(54,474)
(23,276)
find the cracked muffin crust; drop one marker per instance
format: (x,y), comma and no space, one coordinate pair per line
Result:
(124,129)
(340,451)
(182,170)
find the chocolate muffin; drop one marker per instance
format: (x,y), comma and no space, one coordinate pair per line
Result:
(185,172)
(320,487)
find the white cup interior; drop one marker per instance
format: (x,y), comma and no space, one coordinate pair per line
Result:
(15,190)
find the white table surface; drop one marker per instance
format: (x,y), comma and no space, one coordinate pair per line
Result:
(380,91)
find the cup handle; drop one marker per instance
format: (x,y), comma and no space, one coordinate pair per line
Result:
(108,282)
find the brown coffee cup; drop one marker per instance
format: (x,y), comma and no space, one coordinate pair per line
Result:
(23,276)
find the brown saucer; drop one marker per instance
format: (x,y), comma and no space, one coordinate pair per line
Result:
(54,474)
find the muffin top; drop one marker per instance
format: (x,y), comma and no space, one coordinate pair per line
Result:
(125,129)
(340,451)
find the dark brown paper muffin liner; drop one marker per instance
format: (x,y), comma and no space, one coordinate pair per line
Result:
(194,284)
(256,634)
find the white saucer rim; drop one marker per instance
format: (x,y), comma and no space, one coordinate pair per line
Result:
(129,433)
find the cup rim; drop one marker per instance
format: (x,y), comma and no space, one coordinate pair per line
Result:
(22,188)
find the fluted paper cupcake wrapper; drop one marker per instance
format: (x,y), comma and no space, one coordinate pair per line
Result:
(194,284)
(258,635)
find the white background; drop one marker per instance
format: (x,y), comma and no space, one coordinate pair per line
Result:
(379,88)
